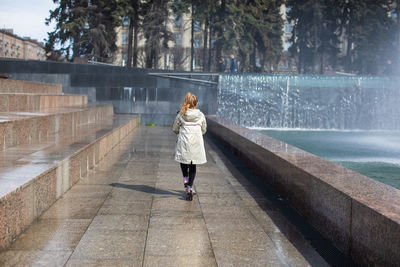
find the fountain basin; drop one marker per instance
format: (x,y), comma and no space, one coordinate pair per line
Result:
(358,214)
(375,154)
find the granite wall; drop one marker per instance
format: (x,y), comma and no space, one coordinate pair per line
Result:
(34,102)
(131,90)
(19,208)
(359,215)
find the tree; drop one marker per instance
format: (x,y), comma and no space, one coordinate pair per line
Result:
(203,13)
(329,35)
(365,27)
(252,29)
(370,35)
(68,28)
(180,7)
(83,28)
(132,10)
(156,14)
(306,16)
(267,23)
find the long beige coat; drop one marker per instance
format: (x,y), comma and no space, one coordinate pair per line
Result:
(190,129)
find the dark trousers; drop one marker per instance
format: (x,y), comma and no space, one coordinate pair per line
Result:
(189,170)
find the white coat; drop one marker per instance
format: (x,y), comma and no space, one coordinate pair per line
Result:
(190,129)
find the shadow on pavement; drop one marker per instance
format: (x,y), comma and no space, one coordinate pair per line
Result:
(149,189)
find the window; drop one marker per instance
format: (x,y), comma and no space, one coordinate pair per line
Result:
(178,21)
(124,59)
(125,21)
(258,62)
(178,39)
(196,26)
(166,61)
(287,64)
(212,43)
(197,42)
(393,14)
(125,37)
(288,28)
(286,45)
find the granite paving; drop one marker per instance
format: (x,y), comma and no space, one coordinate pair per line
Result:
(130,210)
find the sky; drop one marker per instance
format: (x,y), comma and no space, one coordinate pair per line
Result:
(26,17)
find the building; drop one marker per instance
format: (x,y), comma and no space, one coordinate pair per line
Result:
(287,63)
(177,57)
(13,46)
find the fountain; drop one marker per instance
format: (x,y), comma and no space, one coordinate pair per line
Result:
(310,102)
(352,121)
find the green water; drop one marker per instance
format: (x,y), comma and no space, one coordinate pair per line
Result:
(372,153)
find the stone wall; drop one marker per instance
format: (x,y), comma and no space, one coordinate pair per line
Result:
(359,215)
(131,90)
(19,208)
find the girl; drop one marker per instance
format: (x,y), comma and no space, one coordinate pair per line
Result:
(190,125)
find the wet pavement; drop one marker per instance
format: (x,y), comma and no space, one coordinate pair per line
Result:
(130,211)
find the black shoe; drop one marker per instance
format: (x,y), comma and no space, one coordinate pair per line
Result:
(189,196)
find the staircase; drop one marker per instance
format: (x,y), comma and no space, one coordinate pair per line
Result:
(48,141)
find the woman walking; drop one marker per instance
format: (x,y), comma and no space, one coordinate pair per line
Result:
(190,125)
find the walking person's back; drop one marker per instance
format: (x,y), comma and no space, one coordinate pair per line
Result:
(190,125)
(233,67)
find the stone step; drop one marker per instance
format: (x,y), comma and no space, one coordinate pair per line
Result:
(32,102)
(33,177)
(16,86)
(18,128)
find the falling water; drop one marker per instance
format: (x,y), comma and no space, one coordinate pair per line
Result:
(352,121)
(310,102)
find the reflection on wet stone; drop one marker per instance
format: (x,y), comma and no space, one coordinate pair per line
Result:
(132,212)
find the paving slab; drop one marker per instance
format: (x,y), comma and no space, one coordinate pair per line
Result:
(131,211)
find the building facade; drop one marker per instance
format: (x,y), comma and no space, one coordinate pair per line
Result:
(178,57)
(13,46)
(287,63)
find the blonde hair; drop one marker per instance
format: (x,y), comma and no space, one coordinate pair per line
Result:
(190,101)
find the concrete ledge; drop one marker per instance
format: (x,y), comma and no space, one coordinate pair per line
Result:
(29,128)
(24,204)
(31,102)
(15,86)
(359,215)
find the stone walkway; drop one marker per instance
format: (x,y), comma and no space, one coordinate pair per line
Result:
(130,211)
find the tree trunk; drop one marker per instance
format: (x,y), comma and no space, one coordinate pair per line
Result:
(130,40)
(205,45)
(349,44)
(348,55)
(315,56)
(321,64)
(149,54)
(135,36)
(243,61)
(262,62)
(218,46)
(253,59)
(209,48)
(192,42)
(155,58)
